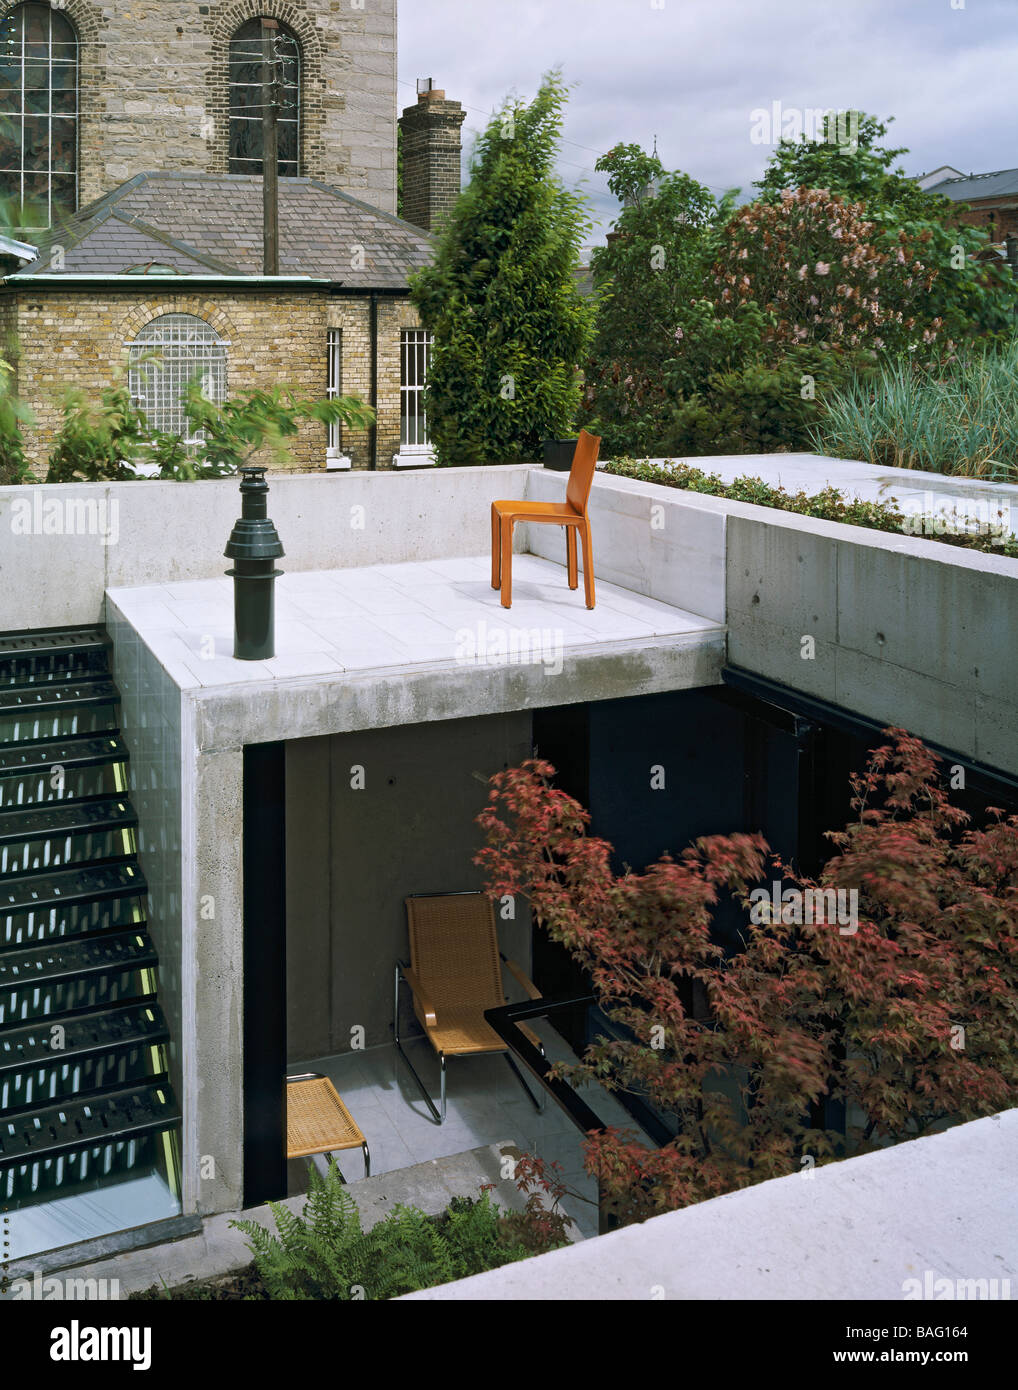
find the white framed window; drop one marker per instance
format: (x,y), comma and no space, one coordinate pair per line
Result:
(38,113)
(334,386)
(415,350)
(169,352)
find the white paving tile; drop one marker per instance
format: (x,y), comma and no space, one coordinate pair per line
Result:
(395,616)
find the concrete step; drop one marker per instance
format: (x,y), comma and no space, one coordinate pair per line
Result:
(219,1249)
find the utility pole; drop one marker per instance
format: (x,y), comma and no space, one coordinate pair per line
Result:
(270,146)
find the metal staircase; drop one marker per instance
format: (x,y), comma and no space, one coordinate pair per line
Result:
(85,1100)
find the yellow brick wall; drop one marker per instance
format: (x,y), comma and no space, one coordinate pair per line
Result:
(77,338)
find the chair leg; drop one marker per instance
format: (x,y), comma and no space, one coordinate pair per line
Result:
(367,1160)
(519,1077)
(496,550)
(413,1070)
(506,549)
(441,1058)
(588,565)
(571,556)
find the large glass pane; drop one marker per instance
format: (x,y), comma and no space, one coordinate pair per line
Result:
(35,212)
(36,142)
(10,185)
(10,145)
(36,19)
(62,145)
(10,75)
(64,41)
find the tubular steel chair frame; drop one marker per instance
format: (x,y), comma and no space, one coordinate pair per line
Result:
(336,1145)
(418,990)
(572,514)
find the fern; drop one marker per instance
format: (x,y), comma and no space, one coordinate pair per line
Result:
(325,1254)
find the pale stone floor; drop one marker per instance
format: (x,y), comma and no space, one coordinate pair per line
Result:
(376,616)
(486,1105)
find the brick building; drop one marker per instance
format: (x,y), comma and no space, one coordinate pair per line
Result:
(992,199)
(130,149)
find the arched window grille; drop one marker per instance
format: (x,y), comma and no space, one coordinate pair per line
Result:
(247,99)
(38,114)
(167,354)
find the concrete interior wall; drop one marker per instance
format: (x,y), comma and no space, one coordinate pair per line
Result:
(355,852)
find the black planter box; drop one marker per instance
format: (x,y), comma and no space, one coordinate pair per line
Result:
(558,454)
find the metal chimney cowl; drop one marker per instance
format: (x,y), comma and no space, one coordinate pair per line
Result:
(253,546)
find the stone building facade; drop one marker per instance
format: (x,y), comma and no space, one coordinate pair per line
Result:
(153,87)
(165,188)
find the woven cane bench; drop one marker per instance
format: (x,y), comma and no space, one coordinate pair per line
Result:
(317,1121)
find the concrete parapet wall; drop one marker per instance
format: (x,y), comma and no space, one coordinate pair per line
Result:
(56,562)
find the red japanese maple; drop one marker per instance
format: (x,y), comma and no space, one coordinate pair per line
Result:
(908,1016)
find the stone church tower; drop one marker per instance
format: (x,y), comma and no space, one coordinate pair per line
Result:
(92,94)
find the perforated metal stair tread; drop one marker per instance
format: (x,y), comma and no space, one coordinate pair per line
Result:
(47,642)
(66,887)
(77,959)
(85,816)
(129,1113)
(77,750)
(83,1041)
(137,1025)
(84,692)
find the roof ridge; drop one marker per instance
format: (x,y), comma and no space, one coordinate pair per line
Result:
(192,252)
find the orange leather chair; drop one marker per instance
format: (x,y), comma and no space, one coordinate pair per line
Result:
(572,514)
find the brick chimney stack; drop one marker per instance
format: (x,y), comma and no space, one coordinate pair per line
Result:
(431,156)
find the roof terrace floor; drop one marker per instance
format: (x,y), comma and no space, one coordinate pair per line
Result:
(399,617)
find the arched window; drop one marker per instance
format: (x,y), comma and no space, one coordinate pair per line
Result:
(247,99)
(38,114)
(167,354)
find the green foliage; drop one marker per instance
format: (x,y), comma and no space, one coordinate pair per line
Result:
(768,404)
(961,418)
(825,275)
(968,296)
(509,321)
(829,504)
(97,440)
(14,466)
(325,1254)
(263,420)
(656,336)
(102,441)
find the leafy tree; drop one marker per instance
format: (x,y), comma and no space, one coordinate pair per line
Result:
(967,295)
(826,275)
(656,336)
(509,321)
(902,1010)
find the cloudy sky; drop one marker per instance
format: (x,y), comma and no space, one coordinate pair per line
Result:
(691,72)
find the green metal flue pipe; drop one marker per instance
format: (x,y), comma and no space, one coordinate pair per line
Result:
(253,546)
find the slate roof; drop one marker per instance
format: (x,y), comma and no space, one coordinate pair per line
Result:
(999,185)
(205,224)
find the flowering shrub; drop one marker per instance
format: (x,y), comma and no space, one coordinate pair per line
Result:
(813,261)
(907,1017)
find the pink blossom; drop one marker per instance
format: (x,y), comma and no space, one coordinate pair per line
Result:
(802,272)
(822,268)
